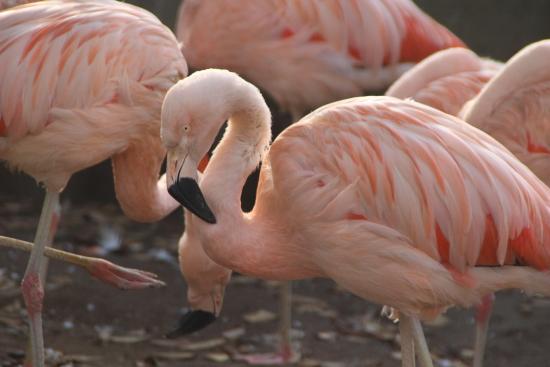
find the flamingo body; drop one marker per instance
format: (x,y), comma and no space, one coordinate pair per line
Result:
(367,191)
(82,81)
(308,53)
(78,86)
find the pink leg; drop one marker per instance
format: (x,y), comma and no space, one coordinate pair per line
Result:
(483,314)
(286,354)
(31,286)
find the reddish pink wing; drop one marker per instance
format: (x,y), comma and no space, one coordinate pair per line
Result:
(455,192)
(77,54)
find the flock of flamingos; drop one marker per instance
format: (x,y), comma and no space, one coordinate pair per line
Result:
(431,196)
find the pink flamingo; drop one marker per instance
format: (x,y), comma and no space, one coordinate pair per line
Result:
(82,82)
(323,51)
(507,102)
(309,53)
(397,202)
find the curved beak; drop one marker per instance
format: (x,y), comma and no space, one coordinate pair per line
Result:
(192,321)
(183,186)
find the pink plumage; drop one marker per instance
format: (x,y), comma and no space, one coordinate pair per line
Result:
(80,82)
(308,53)
(398,202)
(446,80)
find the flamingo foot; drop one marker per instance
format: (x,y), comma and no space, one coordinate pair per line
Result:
(286,355)
(123,278)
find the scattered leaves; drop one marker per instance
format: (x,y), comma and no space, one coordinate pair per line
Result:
(259,316)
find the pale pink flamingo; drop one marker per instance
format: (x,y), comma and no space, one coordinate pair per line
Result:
(80,82)
(399,203)
(508,102)
(309,53)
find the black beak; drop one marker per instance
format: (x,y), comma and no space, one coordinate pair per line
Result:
(192,321)
(187,192)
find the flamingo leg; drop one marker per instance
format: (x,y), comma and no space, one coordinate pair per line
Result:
(286,354)
(483,315)
(32,284)
(407,341)
(285,321)
(421,346)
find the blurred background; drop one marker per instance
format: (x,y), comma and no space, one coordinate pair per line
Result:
(90,324)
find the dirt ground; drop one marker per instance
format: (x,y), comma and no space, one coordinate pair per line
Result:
(88,323)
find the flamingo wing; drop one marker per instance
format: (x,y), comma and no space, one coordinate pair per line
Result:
(455,192)
(515,107)
(445,80)
(76,55)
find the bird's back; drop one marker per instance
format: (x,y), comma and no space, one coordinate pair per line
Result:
(308,53)
(77,55)
(455,192)
(446,80)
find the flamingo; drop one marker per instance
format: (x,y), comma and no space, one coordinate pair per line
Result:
(309,53)
(399,203)
(508,101)
(83,81)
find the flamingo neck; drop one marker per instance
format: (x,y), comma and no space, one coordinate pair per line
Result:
(245,142)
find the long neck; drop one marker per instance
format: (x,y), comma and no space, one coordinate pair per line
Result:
(141,194)
(241,149)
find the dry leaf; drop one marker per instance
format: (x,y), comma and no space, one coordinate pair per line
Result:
(259,316)
(204,345)
(439,321)
(217,357)
(174,356)
(308,362)
(329,336)
(233,334)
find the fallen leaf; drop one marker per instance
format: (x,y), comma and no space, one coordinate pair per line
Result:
(204,345)
(329,336)
(217,357)
(439,321)
(316,309)
(80,358)
(234,334)
(467,353)
(259,316)
(174,356)
(308,362)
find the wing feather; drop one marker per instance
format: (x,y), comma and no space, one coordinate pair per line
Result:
(75,54)
(428,171)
